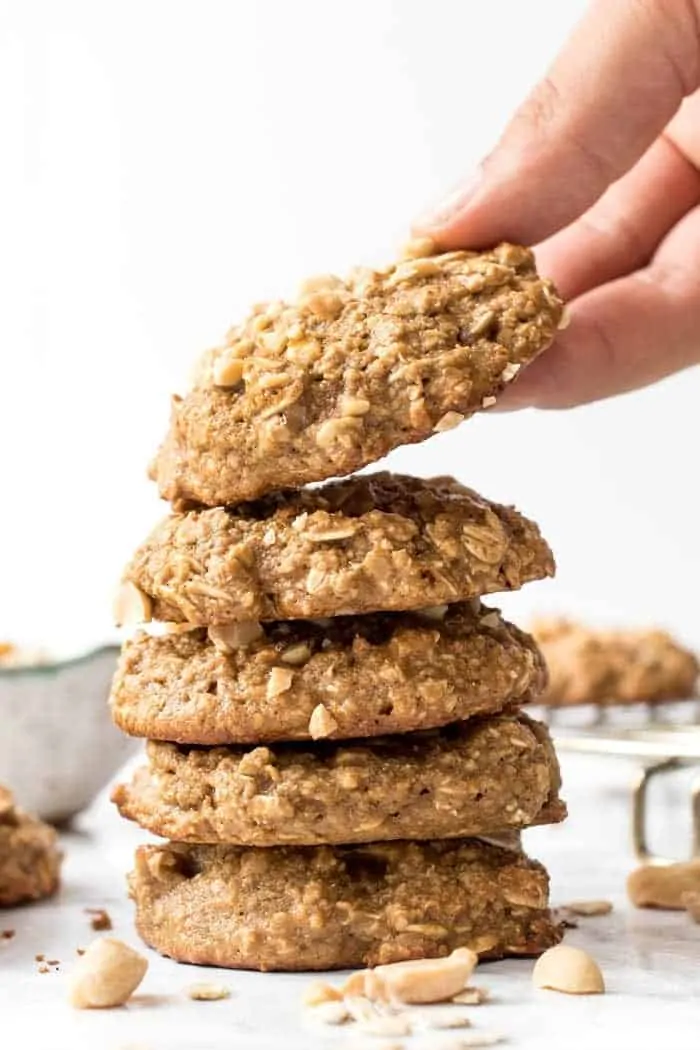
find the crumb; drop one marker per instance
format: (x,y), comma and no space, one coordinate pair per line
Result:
(100,918)
(7,935)
(53,962)
(40,957)
(44,968)
(207,992)
(80,951)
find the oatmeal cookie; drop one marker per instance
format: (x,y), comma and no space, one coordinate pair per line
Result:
(29,857)
(614,667)
(325,907)
(373,542)
(318,389)
(355,676)
(455,782)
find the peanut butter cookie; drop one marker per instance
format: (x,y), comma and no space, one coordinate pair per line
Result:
(614,667)
(373,542)
(29,858)
(462,780)
(321,388)
(325,907)
(355,676)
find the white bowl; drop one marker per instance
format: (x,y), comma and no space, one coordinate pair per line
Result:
(58,746)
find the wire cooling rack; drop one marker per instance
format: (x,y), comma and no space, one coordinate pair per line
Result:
(656,738)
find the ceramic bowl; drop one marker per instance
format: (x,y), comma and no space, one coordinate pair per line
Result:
(58,746)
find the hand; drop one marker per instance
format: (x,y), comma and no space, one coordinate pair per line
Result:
(600,169)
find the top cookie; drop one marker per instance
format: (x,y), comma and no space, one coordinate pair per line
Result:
(318,389)
(614,667)
(374,542)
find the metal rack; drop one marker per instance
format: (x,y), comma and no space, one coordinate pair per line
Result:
(653,740)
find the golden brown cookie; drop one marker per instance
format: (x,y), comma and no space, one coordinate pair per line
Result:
(373,542)
(466,779)
(614,667)
(323,908)
(356,676)
(299,393)
(29,857)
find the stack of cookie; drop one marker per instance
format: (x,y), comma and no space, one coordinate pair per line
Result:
(336,752)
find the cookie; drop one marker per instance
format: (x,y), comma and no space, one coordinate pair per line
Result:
(325,908)
(459,781)
(299,393)
(343,677)
(30,861)
(373,542)
(614,667)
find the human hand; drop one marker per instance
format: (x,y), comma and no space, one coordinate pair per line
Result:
(600,169)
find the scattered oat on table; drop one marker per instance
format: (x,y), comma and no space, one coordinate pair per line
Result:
(588,908)
(205,992)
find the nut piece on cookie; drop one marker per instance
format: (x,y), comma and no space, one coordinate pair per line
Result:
(322,387)
(106,975)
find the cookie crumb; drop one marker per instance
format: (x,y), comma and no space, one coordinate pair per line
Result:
(40,957)
(80,951)
(205,992)
(100,920)
(7,935)
(44,968)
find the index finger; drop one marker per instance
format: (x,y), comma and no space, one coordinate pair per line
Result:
(615,85)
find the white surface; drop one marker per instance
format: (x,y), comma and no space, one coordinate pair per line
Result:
(650,959)
(171,162)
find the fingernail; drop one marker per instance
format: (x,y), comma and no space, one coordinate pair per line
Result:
(449,206)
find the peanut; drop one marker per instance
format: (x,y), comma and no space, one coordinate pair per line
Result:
(663,886)
(416,981)
(131,605)
(570,970)
(106,975)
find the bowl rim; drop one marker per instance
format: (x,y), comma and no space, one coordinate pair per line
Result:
(53,666)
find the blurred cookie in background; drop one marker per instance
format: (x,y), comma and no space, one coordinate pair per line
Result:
(30,860)
(609,667)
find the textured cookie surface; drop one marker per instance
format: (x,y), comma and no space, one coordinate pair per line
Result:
(29,857)
(344,677)
(374,542)
(334,907)
(300,393)
(463,780)
(614,667)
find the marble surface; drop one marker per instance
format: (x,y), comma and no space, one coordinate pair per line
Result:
(651,960)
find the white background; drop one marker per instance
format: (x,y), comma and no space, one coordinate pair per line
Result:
(163,165)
